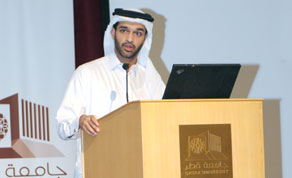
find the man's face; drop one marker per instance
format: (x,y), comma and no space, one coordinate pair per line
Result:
(129,38)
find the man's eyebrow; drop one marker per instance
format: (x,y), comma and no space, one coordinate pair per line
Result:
(138,29)
(141,29)
(123,26)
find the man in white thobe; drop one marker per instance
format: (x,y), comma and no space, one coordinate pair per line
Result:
(99,87)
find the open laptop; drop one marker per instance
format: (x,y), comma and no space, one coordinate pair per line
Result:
(201,81)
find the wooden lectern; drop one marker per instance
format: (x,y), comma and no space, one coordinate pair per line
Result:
(143,139)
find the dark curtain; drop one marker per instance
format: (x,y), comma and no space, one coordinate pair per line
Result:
(90,20)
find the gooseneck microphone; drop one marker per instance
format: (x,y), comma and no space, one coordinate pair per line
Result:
(126,67)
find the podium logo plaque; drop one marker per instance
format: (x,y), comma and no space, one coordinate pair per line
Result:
(205,151)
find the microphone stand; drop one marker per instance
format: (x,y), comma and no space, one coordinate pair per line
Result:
(126,67)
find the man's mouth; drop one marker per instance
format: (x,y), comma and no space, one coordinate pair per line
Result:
(129,47)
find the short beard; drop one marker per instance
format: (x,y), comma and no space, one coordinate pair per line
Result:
(131,56)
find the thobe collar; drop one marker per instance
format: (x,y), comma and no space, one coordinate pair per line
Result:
(114,63)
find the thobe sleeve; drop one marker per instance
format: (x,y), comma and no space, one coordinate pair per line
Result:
(72,107)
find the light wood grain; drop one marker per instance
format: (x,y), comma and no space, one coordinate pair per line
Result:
(141,139)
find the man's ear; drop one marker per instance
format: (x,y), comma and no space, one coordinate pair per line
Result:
(113,31)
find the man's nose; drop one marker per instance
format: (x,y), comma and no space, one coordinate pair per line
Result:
(130,37)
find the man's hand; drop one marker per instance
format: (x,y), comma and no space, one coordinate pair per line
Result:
(89,124)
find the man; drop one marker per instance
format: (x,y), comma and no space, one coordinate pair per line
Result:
(99,87)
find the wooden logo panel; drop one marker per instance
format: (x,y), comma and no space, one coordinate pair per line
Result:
(205,151)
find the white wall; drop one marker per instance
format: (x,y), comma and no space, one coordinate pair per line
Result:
(36,61)
(255,33)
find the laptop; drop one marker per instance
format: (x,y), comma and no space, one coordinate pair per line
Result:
(187,81)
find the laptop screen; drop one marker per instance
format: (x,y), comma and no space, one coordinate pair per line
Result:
(201,81)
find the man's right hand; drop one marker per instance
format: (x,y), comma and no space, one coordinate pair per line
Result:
(89,124)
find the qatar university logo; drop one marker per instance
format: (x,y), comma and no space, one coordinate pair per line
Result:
(3,126)
(24,130)
(206,151)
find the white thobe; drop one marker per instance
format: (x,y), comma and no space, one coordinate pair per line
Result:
(99,87)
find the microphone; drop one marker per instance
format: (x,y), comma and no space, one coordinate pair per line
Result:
(126,67)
